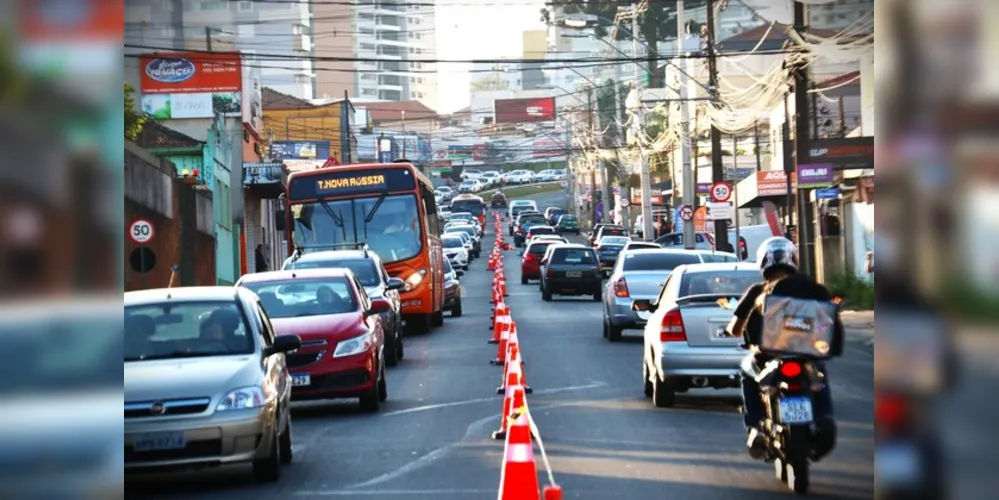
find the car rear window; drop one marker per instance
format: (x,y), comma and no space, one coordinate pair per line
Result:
(733,282)
(532,218)
(657,261)
(573,256)
(364,269)
(542,230)
(538,248)
(718,257)
(613,232)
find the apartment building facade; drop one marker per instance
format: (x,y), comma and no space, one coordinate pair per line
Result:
(278,36)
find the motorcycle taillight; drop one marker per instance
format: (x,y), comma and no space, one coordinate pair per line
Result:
(790,369)
(890,411)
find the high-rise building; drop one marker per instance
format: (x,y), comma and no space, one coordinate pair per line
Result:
(487,77)
(535,47)
(278,36)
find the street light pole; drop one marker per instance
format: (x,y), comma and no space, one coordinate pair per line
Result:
(646,176)
(689,186)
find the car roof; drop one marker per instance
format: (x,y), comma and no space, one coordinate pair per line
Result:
(183,293)
(337,254)
(290,274)
(718,266)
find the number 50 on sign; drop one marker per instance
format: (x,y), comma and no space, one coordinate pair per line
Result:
(141,231)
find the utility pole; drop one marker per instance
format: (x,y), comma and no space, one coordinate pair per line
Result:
(802,148)
(717,168)
(602,142)
(689,183)
(593,173)
(622,178)
(208,38)
(648,230)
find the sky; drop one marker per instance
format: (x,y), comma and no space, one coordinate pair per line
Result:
(484,29)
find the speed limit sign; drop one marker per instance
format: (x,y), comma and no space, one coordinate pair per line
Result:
(141,231)
(721,192)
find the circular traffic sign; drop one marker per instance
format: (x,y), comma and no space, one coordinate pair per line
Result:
(720,192)
(141,231)
(687,213)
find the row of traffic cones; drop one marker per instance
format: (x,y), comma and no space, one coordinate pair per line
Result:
(519,474)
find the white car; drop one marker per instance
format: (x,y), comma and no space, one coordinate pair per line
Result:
(466,241)
(490,178)
(455,251)
(549,237)
(521,177)
(471,186)
(445,192)
(470,174)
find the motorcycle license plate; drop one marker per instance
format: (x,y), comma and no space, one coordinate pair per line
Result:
(796,410)
(897,464)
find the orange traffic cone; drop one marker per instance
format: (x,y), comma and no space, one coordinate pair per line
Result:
(502,287)
(552,492)
(513,401)
(513,357)
(500,309)
(506,326)
(519,478)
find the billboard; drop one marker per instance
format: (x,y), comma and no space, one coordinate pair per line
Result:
(772,183)
(300,150)
(535,109)
(253,112)
(460,152)
(547,148)
(191,85)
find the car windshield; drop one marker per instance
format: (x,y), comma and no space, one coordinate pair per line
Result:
(573,256)
(734,283)
(177,329)
(719,257)
(304,297)
(365,269)
(643,246)
(469,230)
(61,351)
(614,240)
(474,207)
(461,236)
(539,248)
(390,226)
(452,242)
(657,261)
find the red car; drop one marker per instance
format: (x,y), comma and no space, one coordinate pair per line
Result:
(342,353)
(530,265)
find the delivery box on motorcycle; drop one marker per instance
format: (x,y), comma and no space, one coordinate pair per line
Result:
(798,327)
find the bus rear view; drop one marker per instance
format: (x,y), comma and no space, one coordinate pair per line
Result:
(471,204)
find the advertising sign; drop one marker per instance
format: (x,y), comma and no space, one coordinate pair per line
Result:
(253,112)
(703,188)
(771,183)
(340,182)
(547,148)
(300,150)
(191,85)
(536,109)
(480,151)
(815,175)
(460,152)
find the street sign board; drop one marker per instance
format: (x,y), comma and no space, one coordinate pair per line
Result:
(720,211)
(721,191)
(141,231)
(686,213)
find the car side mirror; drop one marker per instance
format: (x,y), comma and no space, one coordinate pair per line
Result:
(396,284)
(379,306)
(284,343)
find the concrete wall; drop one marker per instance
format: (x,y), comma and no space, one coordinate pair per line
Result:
(180,216)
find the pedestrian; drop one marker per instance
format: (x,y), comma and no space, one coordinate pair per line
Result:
(260,258)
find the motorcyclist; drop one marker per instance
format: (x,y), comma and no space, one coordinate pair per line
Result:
(778,261)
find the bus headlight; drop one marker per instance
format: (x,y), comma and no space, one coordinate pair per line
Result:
(414,280)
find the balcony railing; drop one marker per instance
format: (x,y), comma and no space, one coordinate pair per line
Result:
(263,173)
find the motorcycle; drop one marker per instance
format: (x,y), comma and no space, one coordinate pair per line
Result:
(791,439)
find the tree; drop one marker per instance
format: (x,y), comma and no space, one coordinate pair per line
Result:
(657,24)
(133,119)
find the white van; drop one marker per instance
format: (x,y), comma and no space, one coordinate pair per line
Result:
(754,235)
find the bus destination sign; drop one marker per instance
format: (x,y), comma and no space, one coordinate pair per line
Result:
(349,183)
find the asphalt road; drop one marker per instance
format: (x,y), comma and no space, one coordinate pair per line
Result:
(603,438)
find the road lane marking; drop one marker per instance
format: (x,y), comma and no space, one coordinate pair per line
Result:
(467,402)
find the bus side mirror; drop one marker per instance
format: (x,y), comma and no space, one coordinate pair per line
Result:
(279,219)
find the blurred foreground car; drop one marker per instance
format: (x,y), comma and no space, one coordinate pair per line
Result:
(343,341)
(206,381)
(570,270)
(452,289)
(685,344)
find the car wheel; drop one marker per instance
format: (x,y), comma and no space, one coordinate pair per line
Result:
(420,323)
(647,383)
(382,389)
(465,267)
(371,400)
(456,310)
(268,469)
(523,279)
(391,352)
(613,332)
(398,347)
(663,392)
(605,329)
(286,451)
(546,296)
(437,319)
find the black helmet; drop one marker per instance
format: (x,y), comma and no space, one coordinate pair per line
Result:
(777,253)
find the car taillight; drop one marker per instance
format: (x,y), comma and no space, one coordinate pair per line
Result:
(621,288)
(672,328)
(890,411)
(790,369)
(529,257)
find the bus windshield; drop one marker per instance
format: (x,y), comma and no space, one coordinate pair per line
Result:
(389,225)
(474,207)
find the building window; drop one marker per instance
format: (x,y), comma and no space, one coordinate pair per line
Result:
(364,15)
(168,31)
(419,80)
(419,95)
(302,79)
(367,77)
(369,92)
(212,5)
(302,54)
(245,6)
(167,5)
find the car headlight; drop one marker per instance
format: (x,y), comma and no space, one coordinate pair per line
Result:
(353,346)
(414,280)
(243,398)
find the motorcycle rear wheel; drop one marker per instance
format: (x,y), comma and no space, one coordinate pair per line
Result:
(796,470)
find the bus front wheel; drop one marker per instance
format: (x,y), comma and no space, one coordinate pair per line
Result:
(437,318)
(419,323)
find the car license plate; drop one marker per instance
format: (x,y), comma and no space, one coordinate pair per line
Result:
(300,379)
(156,441)
(573,274)
(796,410)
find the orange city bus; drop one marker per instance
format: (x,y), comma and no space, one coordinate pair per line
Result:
(390,208)
(471,204)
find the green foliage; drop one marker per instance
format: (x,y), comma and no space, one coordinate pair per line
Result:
(969,302)
(856,293)
(134,121)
